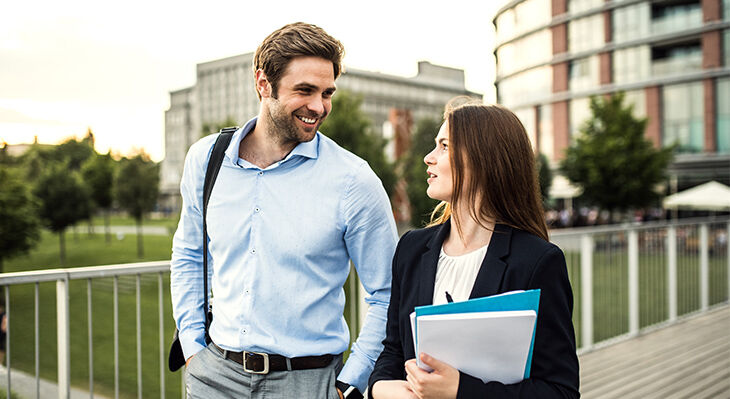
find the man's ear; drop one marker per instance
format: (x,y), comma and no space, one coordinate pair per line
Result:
(262,84)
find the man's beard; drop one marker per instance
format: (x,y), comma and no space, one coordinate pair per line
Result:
(284,127)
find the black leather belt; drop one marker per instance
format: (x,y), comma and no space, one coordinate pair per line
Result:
(263,363)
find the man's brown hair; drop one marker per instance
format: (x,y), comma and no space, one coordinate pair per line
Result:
(295,40)
(491,145)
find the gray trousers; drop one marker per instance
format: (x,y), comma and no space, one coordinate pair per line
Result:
(211,376)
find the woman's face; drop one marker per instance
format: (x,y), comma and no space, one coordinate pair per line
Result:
(440,179)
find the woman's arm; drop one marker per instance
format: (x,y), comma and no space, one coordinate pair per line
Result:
(390,363)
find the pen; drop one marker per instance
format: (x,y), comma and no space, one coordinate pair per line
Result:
(449,299)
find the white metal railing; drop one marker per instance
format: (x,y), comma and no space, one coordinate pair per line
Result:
(62,278)
(635,277)
(626,279)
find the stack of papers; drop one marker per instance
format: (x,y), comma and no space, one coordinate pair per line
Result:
(489,338)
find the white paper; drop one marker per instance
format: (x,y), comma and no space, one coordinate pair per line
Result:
(491,346)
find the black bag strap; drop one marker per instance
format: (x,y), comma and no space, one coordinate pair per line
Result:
(211,173)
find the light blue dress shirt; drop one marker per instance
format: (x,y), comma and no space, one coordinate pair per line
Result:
(280,242)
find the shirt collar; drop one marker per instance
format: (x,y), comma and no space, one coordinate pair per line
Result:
(309,149)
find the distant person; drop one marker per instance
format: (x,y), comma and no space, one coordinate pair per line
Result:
(3,334)
(489,237)
(289,210)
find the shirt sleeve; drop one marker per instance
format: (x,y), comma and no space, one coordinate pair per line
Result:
(186,265)
(370,237)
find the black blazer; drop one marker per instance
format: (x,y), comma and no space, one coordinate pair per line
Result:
(515,260)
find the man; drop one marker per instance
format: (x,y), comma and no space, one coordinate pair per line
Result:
(289,209)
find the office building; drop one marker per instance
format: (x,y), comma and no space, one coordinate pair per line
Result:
(670,57)
(224,91)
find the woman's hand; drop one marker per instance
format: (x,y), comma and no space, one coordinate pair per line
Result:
(441,383)
(392,389)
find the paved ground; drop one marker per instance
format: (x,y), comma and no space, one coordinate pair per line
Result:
(24,385)
(690,359)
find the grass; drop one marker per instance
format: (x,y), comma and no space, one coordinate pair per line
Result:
(86,250)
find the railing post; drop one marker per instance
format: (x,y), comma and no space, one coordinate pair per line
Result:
(672,272)
(586,289)
(704,268)
(633,282)
(64,343)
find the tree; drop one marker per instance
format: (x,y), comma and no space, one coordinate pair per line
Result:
(209,128)
(414,171)
(76,152)
(136,188)
(613,162)
(351,128)
(98,173)
(64,201)
(19,224)
(544,177)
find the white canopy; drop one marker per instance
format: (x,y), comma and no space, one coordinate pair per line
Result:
(561,188)
(711,196)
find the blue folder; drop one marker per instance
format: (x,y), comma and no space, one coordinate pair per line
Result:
(516,300)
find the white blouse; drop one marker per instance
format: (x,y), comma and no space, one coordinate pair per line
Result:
(456,275)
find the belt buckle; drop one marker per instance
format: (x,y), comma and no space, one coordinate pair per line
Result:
(265,356)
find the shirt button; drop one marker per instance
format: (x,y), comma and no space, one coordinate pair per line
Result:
(243,331)
(261,173)
(253,251)
(257,209)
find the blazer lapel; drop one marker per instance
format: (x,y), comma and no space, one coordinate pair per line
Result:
(427,266)
(489,278)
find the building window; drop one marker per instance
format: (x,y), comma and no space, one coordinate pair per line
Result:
(723,115)
(632,64)
(585,33)
(637,99)
(676,58)
(683,117)
(545,123)
(511,57)
(529,86)
(580,112)
(527,117)
(583,73)
(523,17)
(575,6)
(675,16)
(726,10)
(631,23)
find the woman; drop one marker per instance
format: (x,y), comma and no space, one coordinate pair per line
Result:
(489,237)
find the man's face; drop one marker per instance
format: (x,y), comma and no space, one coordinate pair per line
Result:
(302,101)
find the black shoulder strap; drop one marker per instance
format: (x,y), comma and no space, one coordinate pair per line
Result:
(211,173)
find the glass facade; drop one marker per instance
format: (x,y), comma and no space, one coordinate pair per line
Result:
(545,124)
(527,117)
(512,56)
(631,23)
(726,10)
(585,33)
(583,73)
(677,59)
(631,64)
(525,16)
(683,116)
(529,86)
(575,6)
(667,17)
(637,99)
(723,115)
(580,112)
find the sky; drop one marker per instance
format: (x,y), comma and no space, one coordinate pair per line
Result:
(72,65)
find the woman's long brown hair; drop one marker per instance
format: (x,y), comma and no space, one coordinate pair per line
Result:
(489,143)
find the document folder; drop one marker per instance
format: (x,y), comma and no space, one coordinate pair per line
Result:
(486,334)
